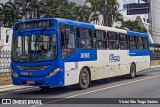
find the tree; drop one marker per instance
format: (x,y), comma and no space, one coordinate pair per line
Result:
(68,10)
(13,13)
(107,8)
(112,9)
(95,9)
(48,8)
(3,14)
(133,26)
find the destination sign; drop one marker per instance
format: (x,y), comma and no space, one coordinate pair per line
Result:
(34,24)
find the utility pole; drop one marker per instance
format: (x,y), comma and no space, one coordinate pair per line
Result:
(0,27)
(105,23)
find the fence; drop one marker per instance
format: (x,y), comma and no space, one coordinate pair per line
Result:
(155,55)
(5,60)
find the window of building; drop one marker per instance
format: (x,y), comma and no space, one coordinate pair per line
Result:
(100,41)
(67,40)
(84,38)
(113,41)
(123,41)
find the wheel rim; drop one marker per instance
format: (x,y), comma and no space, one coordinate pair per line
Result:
(84,79)
(133,71)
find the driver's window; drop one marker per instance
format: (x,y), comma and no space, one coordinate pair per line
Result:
(67,40)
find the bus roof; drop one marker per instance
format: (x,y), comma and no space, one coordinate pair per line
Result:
(98,27)
(23,21)
(88,25)
(77,23)
(137,33)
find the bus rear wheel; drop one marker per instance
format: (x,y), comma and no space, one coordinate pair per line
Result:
(84,79)
(132,71)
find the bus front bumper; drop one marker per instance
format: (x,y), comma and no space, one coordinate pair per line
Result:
(53,81)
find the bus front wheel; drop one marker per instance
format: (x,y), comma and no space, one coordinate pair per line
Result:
(132,71)
(84,79)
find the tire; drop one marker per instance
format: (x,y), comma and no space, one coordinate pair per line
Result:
(44,88)
(132,74)
(84,79)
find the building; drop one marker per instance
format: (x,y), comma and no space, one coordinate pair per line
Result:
(154,20)
(143,19)
(3,36)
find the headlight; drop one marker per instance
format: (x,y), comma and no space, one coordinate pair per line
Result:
(53,72)
(14,74)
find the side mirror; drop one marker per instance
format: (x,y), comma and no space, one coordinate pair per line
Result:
(7,38)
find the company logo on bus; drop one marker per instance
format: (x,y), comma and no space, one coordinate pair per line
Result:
(114,58)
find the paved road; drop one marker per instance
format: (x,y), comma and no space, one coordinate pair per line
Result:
(145,85)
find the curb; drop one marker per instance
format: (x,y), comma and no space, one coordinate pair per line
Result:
(157,66)
(8,88)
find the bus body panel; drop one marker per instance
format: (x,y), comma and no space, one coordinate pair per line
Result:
(102,63)
(105,66)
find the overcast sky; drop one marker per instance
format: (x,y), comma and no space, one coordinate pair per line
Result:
(2,1)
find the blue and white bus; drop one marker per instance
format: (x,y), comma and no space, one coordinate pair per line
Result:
(55,52)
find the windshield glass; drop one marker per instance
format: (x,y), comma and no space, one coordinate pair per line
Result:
(34,48)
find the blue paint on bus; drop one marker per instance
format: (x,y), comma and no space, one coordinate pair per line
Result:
(139,52)
(40,76)
(137,34)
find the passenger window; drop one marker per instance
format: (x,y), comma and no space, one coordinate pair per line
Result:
(123,41)
(113,41)
(67,40)
(140,43)
(100,41)
(145,43)
(84,37)
(132,42)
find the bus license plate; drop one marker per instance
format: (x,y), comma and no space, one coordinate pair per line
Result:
(30,82)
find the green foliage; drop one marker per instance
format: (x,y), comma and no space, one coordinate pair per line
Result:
(17,10)
(107,8)
(133,26)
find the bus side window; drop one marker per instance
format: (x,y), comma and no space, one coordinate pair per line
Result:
(100,41)
(67,41)
(140,43)
(123,41)
(113,41)
(145,43)
(132,42)
(84,38)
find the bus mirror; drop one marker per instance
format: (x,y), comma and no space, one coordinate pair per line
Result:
(7,38)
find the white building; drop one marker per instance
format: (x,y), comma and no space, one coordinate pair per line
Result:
(3,34)
(154,20)
(142,18)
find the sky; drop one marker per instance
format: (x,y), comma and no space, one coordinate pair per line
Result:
(2,1)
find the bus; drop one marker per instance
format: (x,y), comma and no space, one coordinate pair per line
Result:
(56,52)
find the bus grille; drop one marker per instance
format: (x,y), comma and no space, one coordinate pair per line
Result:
(35,68)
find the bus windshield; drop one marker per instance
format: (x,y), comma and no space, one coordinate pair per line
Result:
(34,48)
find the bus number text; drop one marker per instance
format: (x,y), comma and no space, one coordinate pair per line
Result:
(85,55)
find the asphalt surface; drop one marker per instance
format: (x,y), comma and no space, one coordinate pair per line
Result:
(145,85)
